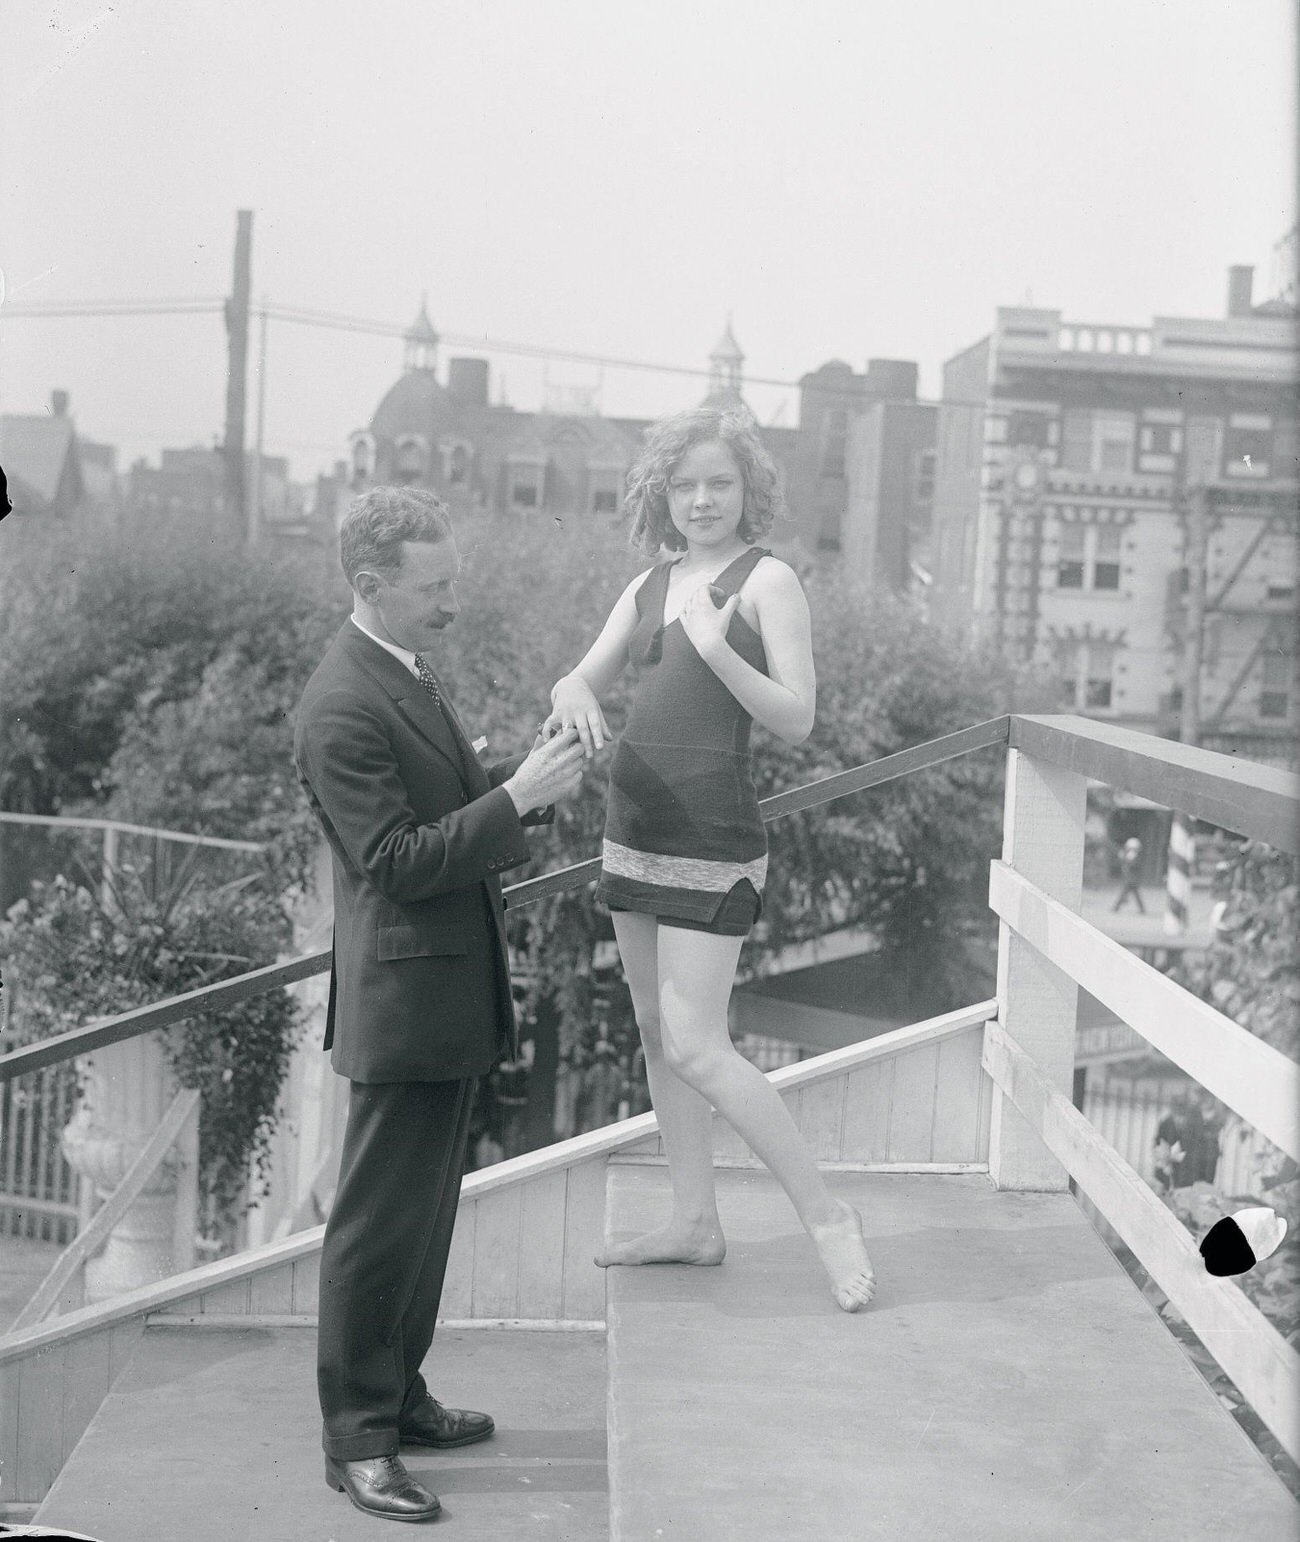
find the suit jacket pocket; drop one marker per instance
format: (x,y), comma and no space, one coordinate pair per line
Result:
(420,941)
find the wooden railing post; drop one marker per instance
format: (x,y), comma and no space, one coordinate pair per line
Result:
(1043,839)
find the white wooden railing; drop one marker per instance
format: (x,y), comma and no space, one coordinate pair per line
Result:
(1047,951)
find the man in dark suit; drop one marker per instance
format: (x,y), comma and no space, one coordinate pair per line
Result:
(420,1003)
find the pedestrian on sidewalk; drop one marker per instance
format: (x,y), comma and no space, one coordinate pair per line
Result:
(1130,869)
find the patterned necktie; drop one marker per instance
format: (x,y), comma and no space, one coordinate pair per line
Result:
(427,679)
(463,748)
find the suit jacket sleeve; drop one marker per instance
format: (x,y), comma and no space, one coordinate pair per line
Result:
(501,772)
(346,760)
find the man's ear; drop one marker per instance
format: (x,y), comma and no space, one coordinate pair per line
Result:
(367,586)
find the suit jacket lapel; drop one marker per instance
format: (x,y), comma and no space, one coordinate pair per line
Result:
(406,692)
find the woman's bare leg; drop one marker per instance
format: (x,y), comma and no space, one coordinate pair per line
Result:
(693,1234)
(696,971)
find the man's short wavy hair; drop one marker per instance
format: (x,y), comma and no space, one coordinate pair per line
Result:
(380,519)
(667,443)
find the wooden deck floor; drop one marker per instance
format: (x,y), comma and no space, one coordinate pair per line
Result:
(213,1435)
(1008,1383)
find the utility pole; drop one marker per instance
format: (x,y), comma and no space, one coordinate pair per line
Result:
(1182,840)
(237,330)
(255,515)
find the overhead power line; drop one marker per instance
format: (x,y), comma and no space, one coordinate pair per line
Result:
(190,305)
(334,321)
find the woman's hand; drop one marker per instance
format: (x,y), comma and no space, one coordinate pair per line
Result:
(704,623)
(574,705)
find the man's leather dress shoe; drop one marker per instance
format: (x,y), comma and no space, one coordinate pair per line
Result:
(380,1485)
(430,1424)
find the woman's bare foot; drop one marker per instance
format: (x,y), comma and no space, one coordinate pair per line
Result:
(844,1253)
(672,1244)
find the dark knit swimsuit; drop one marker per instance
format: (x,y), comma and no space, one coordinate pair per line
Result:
(684,840)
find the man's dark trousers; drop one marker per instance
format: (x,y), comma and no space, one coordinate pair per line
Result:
(385,1257)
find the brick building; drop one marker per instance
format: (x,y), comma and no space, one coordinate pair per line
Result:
(863,469)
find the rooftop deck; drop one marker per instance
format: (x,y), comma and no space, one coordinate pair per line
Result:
(1009,1382)
(212,1434)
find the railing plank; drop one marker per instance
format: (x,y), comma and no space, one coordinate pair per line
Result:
(1253,800)
(74,1256)
(60,821)
(163,1014)
(919,757)
(1258,1081)
(1243,1341)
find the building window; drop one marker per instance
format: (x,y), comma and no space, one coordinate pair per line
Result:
(408,464)
(1277,673)
(1098,441)
(1088,676)
(1247,452)
(924,485)
(604,500)
(363,458)
(1098,675)
(523,494)
(1112,447)
(1089,557)
(1279,589)
(1028,428)
(1161,439)
(1105,556)
(457,465)
(1070,563)
(837,435)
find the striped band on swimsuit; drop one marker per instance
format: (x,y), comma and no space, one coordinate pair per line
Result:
(681,872)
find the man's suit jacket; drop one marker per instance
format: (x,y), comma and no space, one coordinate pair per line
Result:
(420,832)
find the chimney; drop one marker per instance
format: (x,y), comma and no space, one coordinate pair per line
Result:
(1241,280)
(467,381)
(59,403)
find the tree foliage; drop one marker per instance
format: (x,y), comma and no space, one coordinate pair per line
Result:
(68,959)
(158,686)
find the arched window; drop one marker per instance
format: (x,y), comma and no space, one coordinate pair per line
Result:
(408,462)
(363,457)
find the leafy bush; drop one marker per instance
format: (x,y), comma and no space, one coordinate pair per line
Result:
(69,960)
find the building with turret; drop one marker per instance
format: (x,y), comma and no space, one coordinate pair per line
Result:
(448,435)
(856,470)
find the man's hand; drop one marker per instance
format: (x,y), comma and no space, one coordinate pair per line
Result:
(553,770)
(574,705)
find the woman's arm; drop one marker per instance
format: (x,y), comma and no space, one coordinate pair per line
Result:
(785,699)
(575,697)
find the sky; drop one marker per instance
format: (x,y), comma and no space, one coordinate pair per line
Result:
(844,178)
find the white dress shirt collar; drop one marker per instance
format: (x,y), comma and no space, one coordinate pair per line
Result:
(403,655)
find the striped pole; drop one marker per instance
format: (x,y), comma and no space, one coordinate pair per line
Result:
(1178,875)
(1182,842)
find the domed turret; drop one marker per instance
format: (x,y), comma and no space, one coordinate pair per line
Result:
(421,341)
(725,376)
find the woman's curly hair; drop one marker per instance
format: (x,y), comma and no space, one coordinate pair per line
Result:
(667,443)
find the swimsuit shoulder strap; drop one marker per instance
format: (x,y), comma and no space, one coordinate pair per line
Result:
(732,578)
(653,586)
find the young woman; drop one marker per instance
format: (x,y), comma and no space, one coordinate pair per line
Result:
(720,636)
